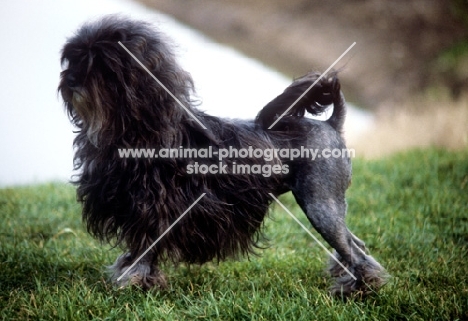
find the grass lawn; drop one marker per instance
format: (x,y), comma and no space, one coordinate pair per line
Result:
(411,209)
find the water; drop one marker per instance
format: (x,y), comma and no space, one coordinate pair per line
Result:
(35,134)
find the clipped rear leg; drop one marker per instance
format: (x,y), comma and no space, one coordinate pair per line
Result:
(357,272)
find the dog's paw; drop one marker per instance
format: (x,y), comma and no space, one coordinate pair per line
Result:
(142,274)
(367,277)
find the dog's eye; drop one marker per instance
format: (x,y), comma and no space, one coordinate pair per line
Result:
(65,63)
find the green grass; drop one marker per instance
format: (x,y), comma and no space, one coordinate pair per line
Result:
(411,209)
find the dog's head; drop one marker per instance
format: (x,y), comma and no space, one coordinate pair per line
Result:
(106,91)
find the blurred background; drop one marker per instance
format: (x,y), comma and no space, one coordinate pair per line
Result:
(408,72)
(409,67)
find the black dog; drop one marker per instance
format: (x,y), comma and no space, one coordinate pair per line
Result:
(115,104)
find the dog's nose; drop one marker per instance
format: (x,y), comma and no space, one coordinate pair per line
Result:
(71,80)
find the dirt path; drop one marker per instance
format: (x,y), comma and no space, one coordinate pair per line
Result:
(397,41)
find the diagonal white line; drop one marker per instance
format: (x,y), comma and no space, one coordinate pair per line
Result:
(162,85)
(313,236)
(310,87)
(161,236)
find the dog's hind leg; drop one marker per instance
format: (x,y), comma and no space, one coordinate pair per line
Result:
(327,214)
(144,273)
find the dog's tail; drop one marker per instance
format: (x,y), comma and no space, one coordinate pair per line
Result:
(315,101)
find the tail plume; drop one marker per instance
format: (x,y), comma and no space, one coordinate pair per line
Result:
(315,101)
